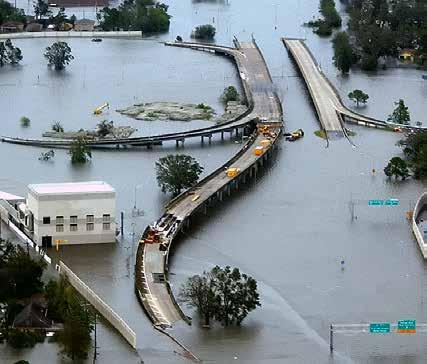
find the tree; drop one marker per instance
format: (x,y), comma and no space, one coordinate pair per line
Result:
(104,128)
(199,293)
(206,31)
(358,96)
(238,293)
(59,19)
(145,15)
(415,150)
(14,54)
(9,13)
(223,293)
(21,274)
(9,53)
(230,94)
(25,121)
(57,127)
(177,172)
(59,55)
(397,167)
(41,8)
(79,151)
(400,114)
(343,53)
(65,305)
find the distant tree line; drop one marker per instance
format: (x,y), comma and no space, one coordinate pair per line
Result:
(10,13)
(149,16)
(381,28)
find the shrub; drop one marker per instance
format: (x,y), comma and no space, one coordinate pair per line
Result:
(206,31)
(25,121)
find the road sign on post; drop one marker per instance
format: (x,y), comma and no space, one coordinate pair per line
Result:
(406,327)
(379,328)
(375,202)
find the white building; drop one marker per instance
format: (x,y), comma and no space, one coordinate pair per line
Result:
(72,213)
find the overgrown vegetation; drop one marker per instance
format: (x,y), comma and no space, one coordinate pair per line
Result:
(330,19)
(343,54)
(149,16)
(415,151)
(57,127)
(25,122)
(380,28)
(223,294)
(177,172)
(400,114)
(58,55)
(204,32)
(230,94)
(9,54)
(9,13)
(79,151)
(396,168)
(66,306)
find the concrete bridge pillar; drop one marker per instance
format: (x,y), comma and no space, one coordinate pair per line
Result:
(202,139)
(222,135)
(210,139)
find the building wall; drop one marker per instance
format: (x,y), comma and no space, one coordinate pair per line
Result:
(73,205)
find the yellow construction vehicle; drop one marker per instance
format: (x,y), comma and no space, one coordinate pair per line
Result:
(98,110)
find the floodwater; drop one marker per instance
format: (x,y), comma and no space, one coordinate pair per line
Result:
(289,230)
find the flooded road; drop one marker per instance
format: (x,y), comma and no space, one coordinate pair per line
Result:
(289,230)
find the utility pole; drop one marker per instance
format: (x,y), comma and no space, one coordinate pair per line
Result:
(95,351)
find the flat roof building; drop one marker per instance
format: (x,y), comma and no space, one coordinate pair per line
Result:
(71,213)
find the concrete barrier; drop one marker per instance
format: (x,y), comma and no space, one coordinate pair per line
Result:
(422,201)
(106,311)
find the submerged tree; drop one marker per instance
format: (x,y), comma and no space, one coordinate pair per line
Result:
(415,150)
(400,114)
(9,54)
(358,96)
(177,172)
(79,151)
(223,293)
(230,94)
(206,31)
(343,53)
(397,167)
(58,55)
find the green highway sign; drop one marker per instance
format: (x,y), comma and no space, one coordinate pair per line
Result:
(379,328)
(375,202)
(406,326)
(392,202)
(389,202)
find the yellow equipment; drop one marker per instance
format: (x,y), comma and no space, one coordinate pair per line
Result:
(98,110)
(232,172)
(195,198)
(59,241)
(259,150)
(265,143)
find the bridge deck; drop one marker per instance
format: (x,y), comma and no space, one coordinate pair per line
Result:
(329,106)
(157,297)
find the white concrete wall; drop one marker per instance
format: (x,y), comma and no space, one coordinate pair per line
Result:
(72,34)
(73,205)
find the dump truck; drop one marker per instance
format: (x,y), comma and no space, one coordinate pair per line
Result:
(232,172)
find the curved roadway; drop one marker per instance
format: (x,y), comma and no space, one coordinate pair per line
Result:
(151,270)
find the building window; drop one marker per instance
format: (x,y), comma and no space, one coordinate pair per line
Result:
(89,226)
(90,218)
(59,228)
(73,227)
(46,220)
(106,218)
(73,219)
(60,219)
(106,226)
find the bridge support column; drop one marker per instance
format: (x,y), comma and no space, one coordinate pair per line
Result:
(237,132)
(231,134)
(222,135)
(236,183)
(205,208)
(202,139)
(228,189)
(177,143)
(210,139)
(220,197)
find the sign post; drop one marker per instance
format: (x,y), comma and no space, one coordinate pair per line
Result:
(379,328)
(406,327)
